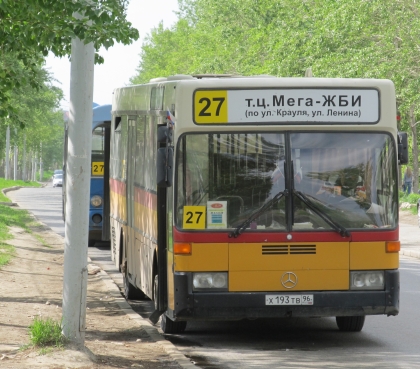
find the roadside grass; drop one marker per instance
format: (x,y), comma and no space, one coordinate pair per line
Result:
(12,217)
(6,253)
(412,199)
(46,334)
(7,183)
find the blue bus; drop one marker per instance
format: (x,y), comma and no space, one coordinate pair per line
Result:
(101,124)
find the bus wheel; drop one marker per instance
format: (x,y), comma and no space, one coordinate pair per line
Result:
(131,292)
(169,326)
(350,323)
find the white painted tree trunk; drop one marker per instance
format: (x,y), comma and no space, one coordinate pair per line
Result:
(24,171)
(77,191)
(6,170)
(15,159)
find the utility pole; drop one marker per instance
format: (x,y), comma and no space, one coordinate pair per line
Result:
(78,171)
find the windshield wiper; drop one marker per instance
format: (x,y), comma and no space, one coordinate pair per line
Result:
(337,227)
(241,227)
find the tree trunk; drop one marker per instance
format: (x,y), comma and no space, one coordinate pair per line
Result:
(24,171)
(415,150)
(76,226)
(6,169)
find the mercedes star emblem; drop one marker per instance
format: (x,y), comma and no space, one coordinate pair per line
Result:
(289,280)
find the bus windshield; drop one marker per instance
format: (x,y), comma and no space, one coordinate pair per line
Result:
(350,178)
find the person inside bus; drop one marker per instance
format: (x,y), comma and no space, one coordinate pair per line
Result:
(347,181)
(342,185)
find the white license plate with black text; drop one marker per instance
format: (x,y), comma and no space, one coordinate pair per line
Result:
(289,299)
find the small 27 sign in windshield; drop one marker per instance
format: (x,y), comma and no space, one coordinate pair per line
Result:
(285,106)
(97,168)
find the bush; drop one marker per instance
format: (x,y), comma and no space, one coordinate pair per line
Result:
(412,198)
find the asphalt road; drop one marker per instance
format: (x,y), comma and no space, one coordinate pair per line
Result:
(385,342)
(45,203)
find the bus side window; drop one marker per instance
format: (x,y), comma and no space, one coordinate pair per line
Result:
(139,174)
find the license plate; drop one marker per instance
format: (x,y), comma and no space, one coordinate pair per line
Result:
(289,299)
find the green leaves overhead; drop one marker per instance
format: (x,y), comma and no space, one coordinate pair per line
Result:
(336,38)
(49,25)
(33,28)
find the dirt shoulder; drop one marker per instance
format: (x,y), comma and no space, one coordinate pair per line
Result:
(407,217)
(32,284)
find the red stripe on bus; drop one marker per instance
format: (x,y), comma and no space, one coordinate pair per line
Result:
(145,198)
(389,235)
(117,186)
(222,237)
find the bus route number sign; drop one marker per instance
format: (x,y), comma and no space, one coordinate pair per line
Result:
(210,106)
(194,217)
(97,168)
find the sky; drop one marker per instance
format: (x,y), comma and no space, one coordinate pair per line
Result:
(121,61)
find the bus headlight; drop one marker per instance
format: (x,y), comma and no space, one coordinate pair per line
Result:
(367,280)
(210,280)
(96,201)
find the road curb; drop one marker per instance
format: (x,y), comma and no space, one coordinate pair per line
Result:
(153,332)
(412,253)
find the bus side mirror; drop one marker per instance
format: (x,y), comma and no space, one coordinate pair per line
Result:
(165,157)
(402,148)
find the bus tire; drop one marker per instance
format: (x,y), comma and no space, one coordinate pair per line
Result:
(350,323)
(131,292)
(170,327)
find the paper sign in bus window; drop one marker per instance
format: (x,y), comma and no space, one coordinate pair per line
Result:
(216,214)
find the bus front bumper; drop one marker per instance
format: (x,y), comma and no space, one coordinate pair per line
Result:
(252,305)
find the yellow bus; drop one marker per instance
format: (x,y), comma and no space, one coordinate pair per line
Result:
(257,197)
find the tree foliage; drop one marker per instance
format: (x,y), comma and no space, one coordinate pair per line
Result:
(352,38)
(39,108)
(31,29)
(335,38)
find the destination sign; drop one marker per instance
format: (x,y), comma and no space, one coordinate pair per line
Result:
(286,106)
